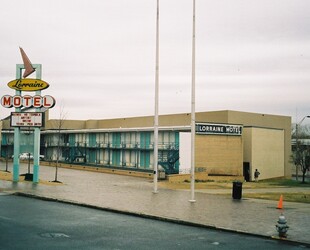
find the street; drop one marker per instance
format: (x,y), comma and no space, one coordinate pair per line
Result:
(27,223)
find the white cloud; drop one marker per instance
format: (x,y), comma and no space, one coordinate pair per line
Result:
(99,56)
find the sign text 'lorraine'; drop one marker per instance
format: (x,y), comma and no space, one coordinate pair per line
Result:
(218,129)
(28,84)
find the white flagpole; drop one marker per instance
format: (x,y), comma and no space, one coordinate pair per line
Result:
(193,127)
(156,103)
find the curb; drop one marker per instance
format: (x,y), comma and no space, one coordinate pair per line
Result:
(160,218)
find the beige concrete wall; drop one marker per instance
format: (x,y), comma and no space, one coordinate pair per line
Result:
(127,122)
(247,144)
(268,121)
(219,154)
(263,148)
(65,124)
(146,121)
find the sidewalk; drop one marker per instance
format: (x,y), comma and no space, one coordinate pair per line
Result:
(134,196)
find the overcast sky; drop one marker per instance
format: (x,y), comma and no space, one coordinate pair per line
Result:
(99,56)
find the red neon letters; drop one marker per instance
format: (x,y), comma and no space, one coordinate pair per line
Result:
(28,101)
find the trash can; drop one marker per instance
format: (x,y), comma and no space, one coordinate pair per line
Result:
(237,190)
(161,175)
(28,177)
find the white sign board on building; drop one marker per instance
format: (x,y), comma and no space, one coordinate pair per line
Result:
(27,119)
(218,129)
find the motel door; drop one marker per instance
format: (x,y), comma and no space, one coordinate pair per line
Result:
(145,141)
(116,153)
(246,171)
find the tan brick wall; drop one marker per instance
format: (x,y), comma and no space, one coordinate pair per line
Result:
(263,149)
(222,155)
(267,152)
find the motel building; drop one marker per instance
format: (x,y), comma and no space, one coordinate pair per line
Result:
(227,143)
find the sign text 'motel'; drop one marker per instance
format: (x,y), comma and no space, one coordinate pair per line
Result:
(27,101)
(218,129)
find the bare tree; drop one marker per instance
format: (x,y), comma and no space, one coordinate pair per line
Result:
(9,141)
(301,153)
(59,124)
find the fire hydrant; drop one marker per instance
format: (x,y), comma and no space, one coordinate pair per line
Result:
(281,226)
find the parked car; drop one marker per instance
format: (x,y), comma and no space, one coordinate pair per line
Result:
(26,156)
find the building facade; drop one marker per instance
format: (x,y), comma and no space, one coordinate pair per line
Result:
(229,143)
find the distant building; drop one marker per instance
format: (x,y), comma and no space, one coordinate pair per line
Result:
(227,142)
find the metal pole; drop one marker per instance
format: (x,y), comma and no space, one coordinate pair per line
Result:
(297,150)
(156,103)
(297,143)
(36,149)
(16,155)
(19,68)
(193,127)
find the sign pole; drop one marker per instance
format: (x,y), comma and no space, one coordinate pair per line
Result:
(19,68)
(36,150)
(156,103)
(30,119)
(193,130)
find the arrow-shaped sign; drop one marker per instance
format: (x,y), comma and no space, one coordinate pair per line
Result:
(27,64)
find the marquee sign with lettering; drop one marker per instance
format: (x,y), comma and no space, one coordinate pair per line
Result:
(23,103)
(218,129)
(27,119)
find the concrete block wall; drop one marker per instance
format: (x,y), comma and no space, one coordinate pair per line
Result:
(221,155)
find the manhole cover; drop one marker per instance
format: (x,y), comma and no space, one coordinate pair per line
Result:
(54,235)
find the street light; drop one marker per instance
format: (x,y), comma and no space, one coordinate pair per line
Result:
(297,149)
(307,116)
